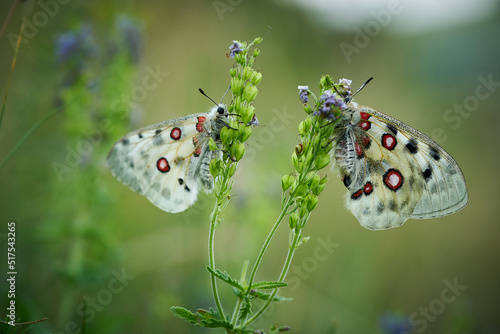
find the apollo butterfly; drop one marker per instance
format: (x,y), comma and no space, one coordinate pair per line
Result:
(169,162)
(392,171)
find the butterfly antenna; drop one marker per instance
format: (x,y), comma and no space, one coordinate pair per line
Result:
(363,85)
(208,97)
(223,96)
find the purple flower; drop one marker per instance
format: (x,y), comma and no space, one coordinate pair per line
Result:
(254,121)
(392,323)
(303,92)
(329,99)
(346,85)
(235,48)
(129,36)
(76,46)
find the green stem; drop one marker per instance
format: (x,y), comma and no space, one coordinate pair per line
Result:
(240,300)
(266,243)
(211,260)
(27,134)
(284,271)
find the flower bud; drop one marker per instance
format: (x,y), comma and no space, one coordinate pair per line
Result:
(250,93)
(226,135)
(238,151)
(322,160)
(318,189)
(247,72)
(315,181)
(246,115)
(256,77)
(292,220)
(312,202)
(286,182)
(245,133)
(301,191)
(212,145)
(213,167)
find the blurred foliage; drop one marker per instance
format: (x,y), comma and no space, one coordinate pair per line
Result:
(73,233)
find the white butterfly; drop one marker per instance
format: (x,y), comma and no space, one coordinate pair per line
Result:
(169,162)
(392,171)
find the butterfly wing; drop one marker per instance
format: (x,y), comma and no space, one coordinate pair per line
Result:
(166,162)
(394,172)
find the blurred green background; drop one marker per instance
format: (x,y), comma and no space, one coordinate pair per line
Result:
(78,228)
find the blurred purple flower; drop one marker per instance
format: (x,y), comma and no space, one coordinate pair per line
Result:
(129,36)
(392,323)
(254,121)
(303,92)
(76,46)
(235,48)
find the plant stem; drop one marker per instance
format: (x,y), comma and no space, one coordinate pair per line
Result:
(211,260)
(284,271)
(267,241)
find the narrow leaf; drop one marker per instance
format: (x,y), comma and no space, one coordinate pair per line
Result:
(266,296)
(224,276)
(185,314)
(268,285)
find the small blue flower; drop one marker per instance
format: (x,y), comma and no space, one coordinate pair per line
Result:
(392,323)
(235,48)
(76,46)
(329,99)
(303,92)
(346,84)
(130,36)
(254,121)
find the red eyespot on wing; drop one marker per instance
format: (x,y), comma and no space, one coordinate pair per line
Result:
(365,125)
(368,188)
(364,115)
(199,125)
(366,141)
(388,141)
(163,165)
(393,179)
(359,150)
(175,134)
(197,152)
(357,194)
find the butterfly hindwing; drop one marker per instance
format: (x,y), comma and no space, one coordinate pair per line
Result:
(394,172)
(168,162)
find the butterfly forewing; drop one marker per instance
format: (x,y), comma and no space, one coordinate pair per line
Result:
(394,172)
(168,162)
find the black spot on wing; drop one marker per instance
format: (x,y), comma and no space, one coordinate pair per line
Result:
(347,181)
(412,146)
(181,181)
(435,154)
(392,129)
(427,174)
(380,208)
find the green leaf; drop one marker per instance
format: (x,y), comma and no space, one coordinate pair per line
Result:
(224,276)
(246,309)
(184,314)
(268,285)
(209,319)
(202,318)
(266,296)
